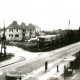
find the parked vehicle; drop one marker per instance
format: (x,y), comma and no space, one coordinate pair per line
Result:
(44,41)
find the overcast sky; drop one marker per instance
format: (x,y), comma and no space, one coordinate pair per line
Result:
(47,14)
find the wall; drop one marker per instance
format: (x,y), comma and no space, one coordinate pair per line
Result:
(19,32)
(27,34)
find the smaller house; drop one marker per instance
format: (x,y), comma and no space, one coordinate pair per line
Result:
(14,32)
(32,30)
(26,31)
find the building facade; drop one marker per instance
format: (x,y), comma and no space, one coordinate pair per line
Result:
(17,32)
(14,34)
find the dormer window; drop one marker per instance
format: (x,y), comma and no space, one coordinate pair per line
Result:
(17,30)
(10,35)
(10,30)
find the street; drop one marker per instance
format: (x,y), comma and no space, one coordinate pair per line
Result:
(53,57)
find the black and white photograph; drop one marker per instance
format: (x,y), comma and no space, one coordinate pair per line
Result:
(39,39)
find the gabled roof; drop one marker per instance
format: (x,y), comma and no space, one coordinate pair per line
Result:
(23,25)
(14,25)
(31,26)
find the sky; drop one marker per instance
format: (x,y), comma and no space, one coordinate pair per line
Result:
(47,14)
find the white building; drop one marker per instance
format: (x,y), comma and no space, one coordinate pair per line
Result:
(17,32)
(32,30)
(14,32)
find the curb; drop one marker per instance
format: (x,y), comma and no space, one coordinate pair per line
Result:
(13,62)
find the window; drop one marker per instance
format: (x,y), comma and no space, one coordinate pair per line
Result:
(10,30)
(17,35)
(10,35)
(23,31)
(23,34)
(17,30)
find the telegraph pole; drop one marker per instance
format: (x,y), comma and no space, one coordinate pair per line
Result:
(4,43)
(68,31)
(69,24)
(4,40)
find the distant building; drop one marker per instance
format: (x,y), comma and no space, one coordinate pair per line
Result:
(38,29)
(26,31)
(17,32)
(32,30)
(42,33)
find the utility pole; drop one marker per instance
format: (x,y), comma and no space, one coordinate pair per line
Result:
(46,66)
(69,25)
(68,31)
(4,40)
(4,43)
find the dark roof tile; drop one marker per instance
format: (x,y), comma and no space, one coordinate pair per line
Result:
(14,25)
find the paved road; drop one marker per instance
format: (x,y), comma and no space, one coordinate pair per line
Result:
(76,75)
(56,55)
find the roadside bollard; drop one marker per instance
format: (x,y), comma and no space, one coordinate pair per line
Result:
(64,71)
(20,78)
(46,66)
(64,68)
(57,68)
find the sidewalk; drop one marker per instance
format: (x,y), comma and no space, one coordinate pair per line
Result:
(40,73)
(53,74)
(19,55)
(11,61)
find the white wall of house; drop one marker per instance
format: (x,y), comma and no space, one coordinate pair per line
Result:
(17,34)
(14,34)
(33,33)
(27,34)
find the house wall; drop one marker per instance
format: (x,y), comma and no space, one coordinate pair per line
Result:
(12,34)
(30,34)
(33,33)
(27,34)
